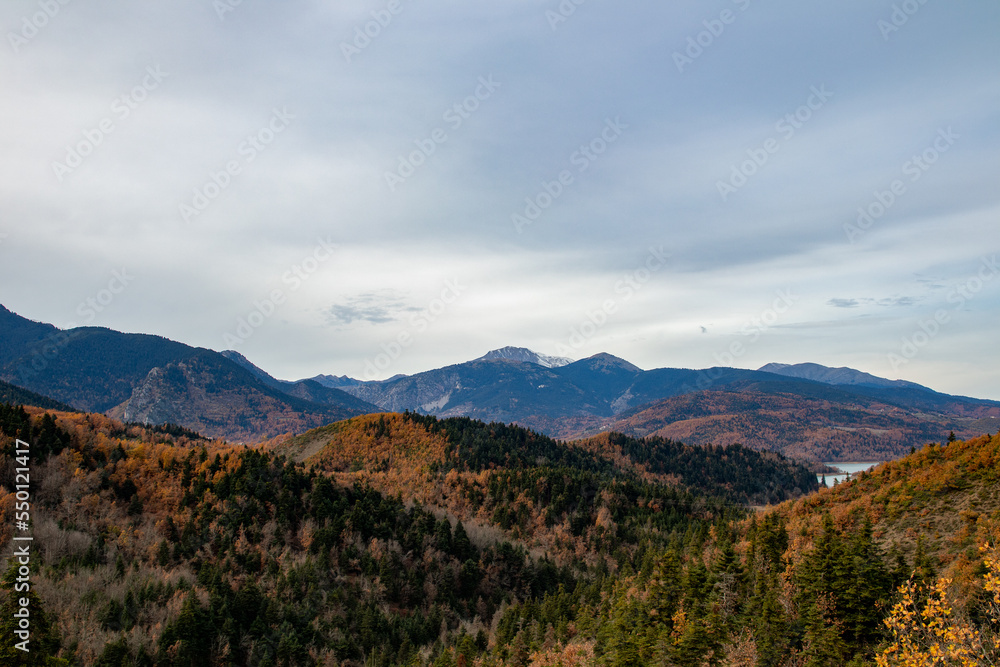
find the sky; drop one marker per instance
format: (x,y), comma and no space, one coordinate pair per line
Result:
(389,186)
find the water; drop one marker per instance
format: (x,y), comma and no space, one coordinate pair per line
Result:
(847,469)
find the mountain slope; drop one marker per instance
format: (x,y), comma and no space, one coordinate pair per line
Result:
(309,390)
(495,390)
(822,428)
(162,548)
(413,443)
(14,395)
(213,396)
(942,495)
(140,377)
(193,552)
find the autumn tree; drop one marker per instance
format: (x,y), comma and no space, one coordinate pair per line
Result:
(928,634)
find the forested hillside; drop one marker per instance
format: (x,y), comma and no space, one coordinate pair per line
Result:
(406,540)
(818,428)
(14,395)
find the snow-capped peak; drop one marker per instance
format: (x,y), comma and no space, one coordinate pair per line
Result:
(524,354)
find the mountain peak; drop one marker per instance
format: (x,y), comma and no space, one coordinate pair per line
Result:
(526,355)
(604,360)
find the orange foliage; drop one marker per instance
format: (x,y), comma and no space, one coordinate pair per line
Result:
(372,443)
(946,494)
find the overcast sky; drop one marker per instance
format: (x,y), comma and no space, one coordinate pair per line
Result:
(327,185)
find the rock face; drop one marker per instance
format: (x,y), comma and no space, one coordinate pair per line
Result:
(145,405)
(221,401)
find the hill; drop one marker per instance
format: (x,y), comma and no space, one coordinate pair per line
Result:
(548,495)
(394,444)
(14,395)
(823,428)
(827,375)
(166,549)
(145,378)
(834,578)
(941,495)
(157,547)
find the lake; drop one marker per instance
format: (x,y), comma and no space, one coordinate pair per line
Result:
(847,469)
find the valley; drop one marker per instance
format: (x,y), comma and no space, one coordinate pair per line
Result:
(401,538)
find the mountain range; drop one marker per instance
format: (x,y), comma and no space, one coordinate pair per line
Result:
(150,379)
(806,410)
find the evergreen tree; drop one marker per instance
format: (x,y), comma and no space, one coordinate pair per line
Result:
(461,546)
(42,643)
(770,627)
(823,645)
(924,572)
(187,642)
(869,584)
(626,640)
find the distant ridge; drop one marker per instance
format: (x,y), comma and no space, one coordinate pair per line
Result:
(336,381)
(837,376)
(238,358)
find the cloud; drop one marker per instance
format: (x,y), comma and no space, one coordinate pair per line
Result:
(897,301)
(844,303)
(379,307)
(885,302)
(357,119)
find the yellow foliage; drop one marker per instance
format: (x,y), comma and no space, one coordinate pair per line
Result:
(931,637)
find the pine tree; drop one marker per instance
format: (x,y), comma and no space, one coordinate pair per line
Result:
(769,623)
(626,638)
(189,638)
(868,584)
(823,645)
(43,641)
(461,546)
(163,554)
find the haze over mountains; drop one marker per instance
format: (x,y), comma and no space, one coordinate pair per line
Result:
(807,410)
